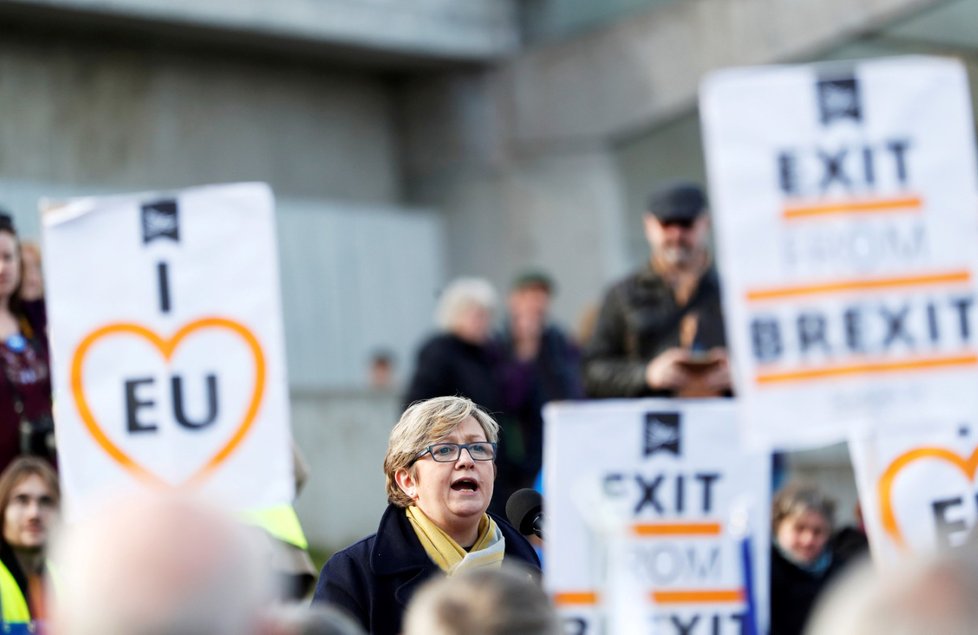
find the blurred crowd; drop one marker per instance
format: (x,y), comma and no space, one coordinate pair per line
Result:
(444,560)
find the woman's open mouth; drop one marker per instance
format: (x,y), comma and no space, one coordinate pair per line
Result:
(465,485)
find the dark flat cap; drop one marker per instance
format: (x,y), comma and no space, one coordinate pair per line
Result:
(533,278)
(682,201)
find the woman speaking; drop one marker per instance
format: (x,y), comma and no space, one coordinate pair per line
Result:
(440,470)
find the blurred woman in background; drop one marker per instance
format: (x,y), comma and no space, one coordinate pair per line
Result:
(458,360)
(26,424)
(803,559)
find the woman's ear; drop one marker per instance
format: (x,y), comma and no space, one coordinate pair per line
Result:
(406,481)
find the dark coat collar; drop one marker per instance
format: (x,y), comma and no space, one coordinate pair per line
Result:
(397,548)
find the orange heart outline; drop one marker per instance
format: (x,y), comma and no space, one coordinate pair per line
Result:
(167,347)
(885,485)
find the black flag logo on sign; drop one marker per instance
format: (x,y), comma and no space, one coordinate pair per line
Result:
(839,99)
(662,433)
(160,220)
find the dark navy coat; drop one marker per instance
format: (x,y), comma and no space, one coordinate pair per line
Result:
(375,578)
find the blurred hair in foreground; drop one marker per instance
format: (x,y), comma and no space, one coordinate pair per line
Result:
(302,619)
(506,601)
(160,565)
(931,595)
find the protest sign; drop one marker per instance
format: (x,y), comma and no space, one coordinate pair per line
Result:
(844,198)
(652,512)
(166,340)
(916,486)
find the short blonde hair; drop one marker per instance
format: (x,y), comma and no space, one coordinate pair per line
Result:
(424,423)
(798,497)
(461,294)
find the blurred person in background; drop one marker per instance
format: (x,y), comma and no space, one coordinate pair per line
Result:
(539,363)
(659,331)
(439,470)
(32,278)
(458,360)
(803,558)
(26,422)
(506,601)
(381,370)
(29,499)
(925,595)
(160,564)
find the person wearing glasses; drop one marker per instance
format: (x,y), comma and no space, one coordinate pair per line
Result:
(440,470)
(659,332)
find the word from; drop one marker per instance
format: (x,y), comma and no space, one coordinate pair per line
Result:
(666,563)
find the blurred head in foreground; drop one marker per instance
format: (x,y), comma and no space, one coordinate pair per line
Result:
(159,565)
(302,619)
(506,601)
(934,595)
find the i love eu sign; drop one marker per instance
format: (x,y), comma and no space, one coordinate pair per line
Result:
(167,346)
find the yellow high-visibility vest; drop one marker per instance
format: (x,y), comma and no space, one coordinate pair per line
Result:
(281,522)
(13,604)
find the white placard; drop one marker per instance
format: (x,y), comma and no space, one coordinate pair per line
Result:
(651,505)
(916,486)
(844,198)
(166,340)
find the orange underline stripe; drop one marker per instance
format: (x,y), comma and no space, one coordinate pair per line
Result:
(677,529)
(698,596)
(903,204)
(866,284)
(679,596)
(575,598)
(934,363)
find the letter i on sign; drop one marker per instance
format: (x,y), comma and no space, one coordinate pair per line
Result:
(163,280)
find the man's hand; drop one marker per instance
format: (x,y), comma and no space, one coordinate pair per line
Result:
(666,371)
(717,378)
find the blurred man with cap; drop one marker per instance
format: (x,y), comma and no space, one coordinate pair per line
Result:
(660,330)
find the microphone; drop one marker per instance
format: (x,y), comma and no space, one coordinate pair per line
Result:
(524,510)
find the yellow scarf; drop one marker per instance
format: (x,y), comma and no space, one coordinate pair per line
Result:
(450,557)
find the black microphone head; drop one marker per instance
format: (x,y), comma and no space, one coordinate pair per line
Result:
(523,508)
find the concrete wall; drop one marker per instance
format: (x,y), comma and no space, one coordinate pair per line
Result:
(472,30)
(549,20)
(86,116)
(639,72)
(547,159)
(343,436)
(88,113)
(356,279)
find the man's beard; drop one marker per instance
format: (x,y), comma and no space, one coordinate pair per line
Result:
(31,550)
(680,256)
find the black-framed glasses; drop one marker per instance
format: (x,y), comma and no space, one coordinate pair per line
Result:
(449,452)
